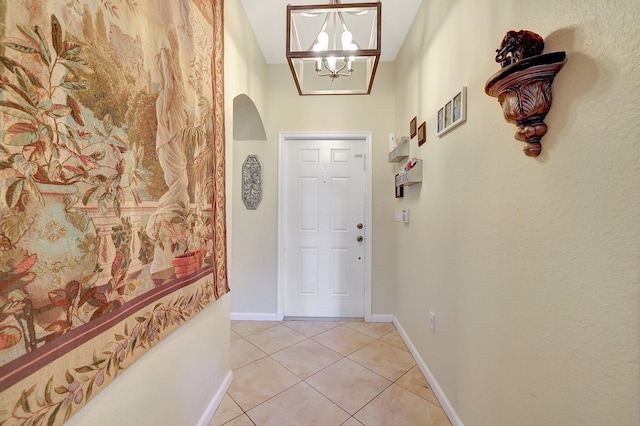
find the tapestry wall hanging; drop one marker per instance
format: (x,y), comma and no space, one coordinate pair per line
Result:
(112,220)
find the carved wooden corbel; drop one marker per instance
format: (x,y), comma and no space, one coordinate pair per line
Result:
(523,86)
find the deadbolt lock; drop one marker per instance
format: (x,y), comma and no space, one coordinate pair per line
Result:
(359,226)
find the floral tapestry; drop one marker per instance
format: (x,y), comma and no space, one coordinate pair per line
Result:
(112,220)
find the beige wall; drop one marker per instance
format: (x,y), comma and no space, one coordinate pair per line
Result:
(172,384)
(244,67)
(245,74)
(254,238)
(530,265)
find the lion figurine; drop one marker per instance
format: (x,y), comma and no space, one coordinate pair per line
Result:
(518,45)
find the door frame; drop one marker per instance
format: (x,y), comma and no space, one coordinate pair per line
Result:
(283,139)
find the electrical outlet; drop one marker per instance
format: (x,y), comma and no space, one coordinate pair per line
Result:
(432,321)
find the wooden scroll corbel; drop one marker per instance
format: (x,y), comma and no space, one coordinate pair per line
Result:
(523,85)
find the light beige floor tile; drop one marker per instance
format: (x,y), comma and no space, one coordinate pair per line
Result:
(311,328)
(243,420)
(343,340)
(373,329)
(384,359)
(415,382)
(242,353)
(306,358)
(227,411)
(399,407)
(275,338)
(348,384)
(298,405)
(255,383)
(352,422)
(234,336)
(245,328)
(394,339)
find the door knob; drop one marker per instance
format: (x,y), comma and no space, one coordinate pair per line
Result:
(359,238)
(359,226)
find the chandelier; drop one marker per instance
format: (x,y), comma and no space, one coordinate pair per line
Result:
(333,49)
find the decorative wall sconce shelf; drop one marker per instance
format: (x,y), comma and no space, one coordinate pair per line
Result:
(400,152)
(411,176)
(523,86)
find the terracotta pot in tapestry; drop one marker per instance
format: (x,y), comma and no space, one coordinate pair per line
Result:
(188,263)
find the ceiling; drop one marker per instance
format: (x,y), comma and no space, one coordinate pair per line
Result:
(268,19)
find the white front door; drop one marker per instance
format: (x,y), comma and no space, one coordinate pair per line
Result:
(324,221)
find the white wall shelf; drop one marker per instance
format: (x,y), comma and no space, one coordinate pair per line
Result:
(411,176)
(400,152)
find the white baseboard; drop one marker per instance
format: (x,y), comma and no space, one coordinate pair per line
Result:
(381,318)
(435,386)
(215,401)
(248,316)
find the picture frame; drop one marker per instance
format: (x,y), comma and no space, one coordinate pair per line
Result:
(453,113)
(456,107)
(422,133)
(412,127)
(447,114)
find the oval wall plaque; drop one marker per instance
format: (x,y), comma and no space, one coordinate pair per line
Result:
(252,182)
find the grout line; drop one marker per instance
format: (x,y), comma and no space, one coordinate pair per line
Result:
(342,357)
(273,396)
(338,404)
(372,399)
(251,362)
(244,413)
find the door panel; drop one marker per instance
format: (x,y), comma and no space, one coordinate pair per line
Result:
(309,208)
(323,203)
(308,268)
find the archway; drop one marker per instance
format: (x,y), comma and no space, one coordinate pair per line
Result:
(247,123)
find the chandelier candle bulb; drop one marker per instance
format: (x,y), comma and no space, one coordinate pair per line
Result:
(323,40)
(331,61)
(347,37)
(317,48)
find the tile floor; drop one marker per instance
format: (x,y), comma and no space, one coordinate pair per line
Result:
(324,373)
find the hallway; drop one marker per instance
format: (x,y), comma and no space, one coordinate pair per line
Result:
(324,373)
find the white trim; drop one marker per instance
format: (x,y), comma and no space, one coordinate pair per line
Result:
(381,318)
(248,316)
(368,207)
(368,217)
(435,386)
(215,402)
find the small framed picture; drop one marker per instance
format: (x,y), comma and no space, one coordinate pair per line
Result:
(453,113)
(457,105)
(412,126)
(422,133)
(447,114)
